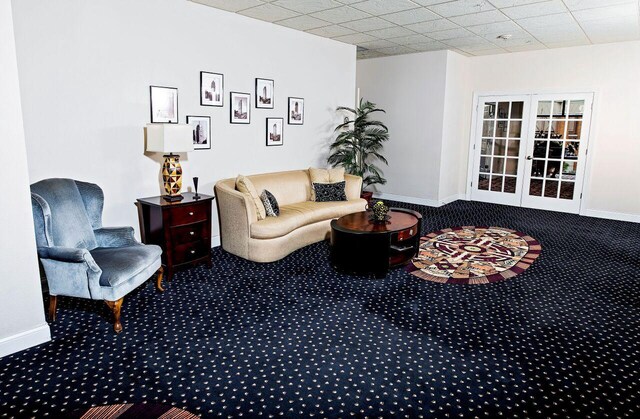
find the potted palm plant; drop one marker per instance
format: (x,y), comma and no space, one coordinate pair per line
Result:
(359,144)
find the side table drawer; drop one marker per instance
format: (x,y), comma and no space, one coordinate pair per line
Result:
(188,215)
(408,233)
(187,233)
(189,251)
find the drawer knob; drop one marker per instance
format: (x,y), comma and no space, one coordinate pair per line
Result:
(193,251)
(192,233)
(410,231)
(191,213)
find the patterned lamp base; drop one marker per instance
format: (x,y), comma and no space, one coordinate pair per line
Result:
(172,177)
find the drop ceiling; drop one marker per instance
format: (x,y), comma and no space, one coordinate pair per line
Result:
(471,27)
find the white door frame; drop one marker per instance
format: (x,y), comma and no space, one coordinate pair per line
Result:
(592,133)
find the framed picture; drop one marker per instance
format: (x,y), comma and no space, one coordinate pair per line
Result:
(201,126)
(274,131)
(164,104)
(264,93)
(296,111)
(211,89)
(240,108)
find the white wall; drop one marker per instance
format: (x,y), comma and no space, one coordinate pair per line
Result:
(86,68)
(411,89)
(21,308)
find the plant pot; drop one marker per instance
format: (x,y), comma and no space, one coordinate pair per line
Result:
(367,195)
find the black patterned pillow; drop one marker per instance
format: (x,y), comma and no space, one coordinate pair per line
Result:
(326,192)
(270,204)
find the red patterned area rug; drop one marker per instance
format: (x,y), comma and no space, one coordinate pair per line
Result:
(130,411)
(474,255)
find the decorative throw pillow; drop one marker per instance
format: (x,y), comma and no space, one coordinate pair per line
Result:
(325,176)
(326,192)
(270,204)
(244,185)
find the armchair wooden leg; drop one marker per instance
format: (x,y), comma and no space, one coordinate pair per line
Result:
(115,306)
(53,301)
(159,279)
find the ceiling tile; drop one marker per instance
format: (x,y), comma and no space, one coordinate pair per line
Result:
(396,50)
(380,7)
(231,6)
(331,31)
(377,44)
(511,3)
(369,54)
(490,16)
(392,32)
(621,10)
(613,29)
(565,44)
(450,34)
(508,26)
(429,46)
(355,38)
(432,26)
(429,2)
(307,6)
(491,51)
(408,17)
(268,12)
(548,20)
(589,4)
(470,42)
(536,9)
(340,14)
(368,24)
(349,1)
(302,23)
(528,47)
(411,39)
(461,7)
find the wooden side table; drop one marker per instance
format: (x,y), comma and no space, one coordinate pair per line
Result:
(182,229)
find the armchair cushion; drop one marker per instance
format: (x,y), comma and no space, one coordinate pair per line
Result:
(122,263)
(115,236)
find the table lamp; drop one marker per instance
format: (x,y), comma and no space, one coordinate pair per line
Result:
(170,138)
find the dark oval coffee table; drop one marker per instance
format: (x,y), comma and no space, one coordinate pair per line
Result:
(361,246)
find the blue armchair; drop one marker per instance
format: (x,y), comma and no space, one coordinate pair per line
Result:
(80,257)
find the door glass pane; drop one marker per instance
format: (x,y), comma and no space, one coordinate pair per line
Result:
(483,182)
(540,148)
(498,165)
(569,169)
(510,184)
(576,109)
(551,189)
(544,109)
(542,129)
(559,108)
(503,110)
(512,167)
(489,110)
(537,168)
(553,169)
(555,149)
(515,127)
(487,128)
(557,130)
(500,148)
(566,190)
(485,164)
(514,148)
(496,183)
(485,147)
(535,188)
(571,149)
(516,110)
(574,129)
(501,129)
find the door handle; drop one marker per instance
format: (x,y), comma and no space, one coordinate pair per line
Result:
(529,158)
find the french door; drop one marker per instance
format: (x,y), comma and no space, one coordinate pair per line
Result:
(530,150)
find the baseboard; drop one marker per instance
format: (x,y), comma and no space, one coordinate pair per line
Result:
(620,216)
(419,201)
(215,241)
(24,340)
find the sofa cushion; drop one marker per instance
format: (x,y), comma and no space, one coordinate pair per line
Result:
(270,204)
(325,176)
(330,192)
(244,185)
(294,216)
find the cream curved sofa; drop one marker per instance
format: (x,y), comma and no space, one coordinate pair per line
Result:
(300,223)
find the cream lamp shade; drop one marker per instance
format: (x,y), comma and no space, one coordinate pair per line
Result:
(169,138)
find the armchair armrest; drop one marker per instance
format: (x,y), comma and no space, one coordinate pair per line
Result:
(69,255)
(115,236)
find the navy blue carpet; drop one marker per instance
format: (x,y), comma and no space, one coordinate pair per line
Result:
(295,338)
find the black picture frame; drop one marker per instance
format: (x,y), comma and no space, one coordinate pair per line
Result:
(234,112)
(160,110)
(275,128)
(264,87)
(208,98)
(197,145)
(298,118)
